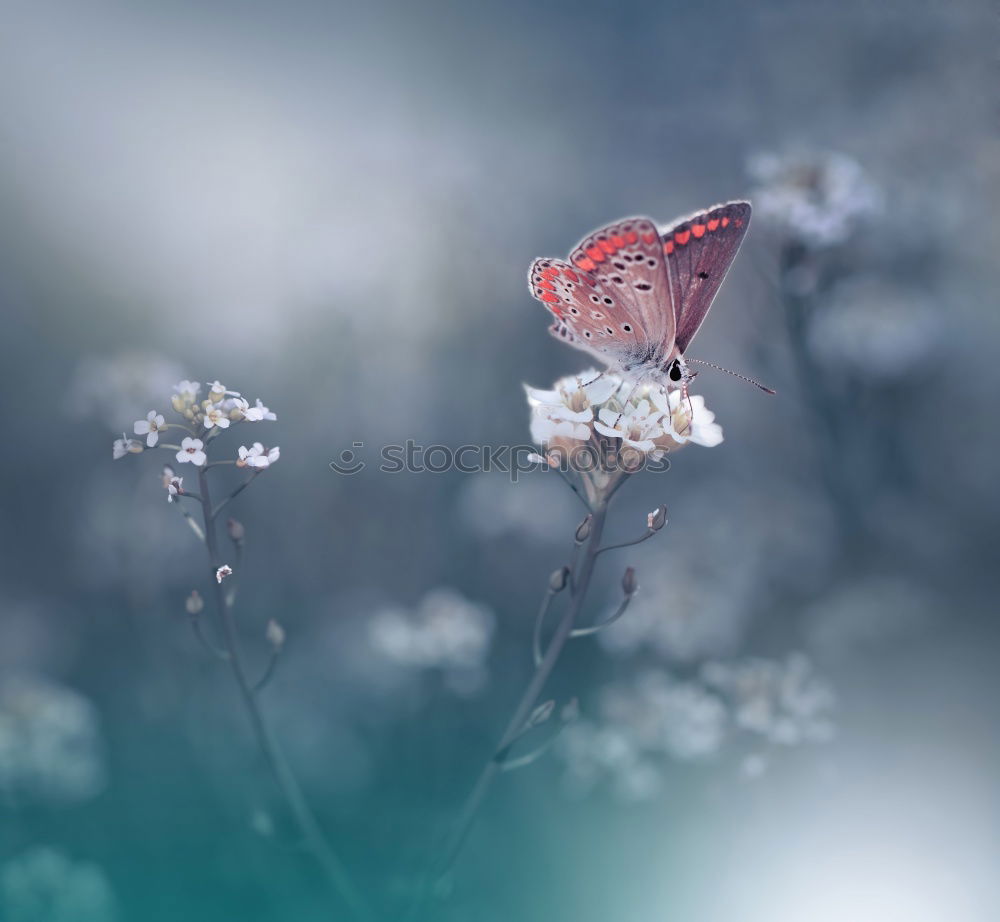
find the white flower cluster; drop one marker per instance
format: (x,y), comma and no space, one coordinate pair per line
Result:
(44,884)
(647,417)
(875,330)
(786,703)
(446,631)
(817,199)
(50,743)
(642,724)
(202,421)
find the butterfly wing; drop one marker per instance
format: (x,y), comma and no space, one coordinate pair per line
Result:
(613,298)
(699,251)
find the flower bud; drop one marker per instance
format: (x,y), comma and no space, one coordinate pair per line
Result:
(194,603)
(275,635)
(583,530)
(629,584)
(540,714)
(236,530)
(558,579)
(657,518)
(178,403)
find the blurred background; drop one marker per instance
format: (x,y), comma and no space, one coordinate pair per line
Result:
(333,207)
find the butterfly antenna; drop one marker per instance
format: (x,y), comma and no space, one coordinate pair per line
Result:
(735,374)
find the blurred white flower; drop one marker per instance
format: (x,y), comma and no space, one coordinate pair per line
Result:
(125,446)
(446,631)
(187,390)
(257,456)
(215,415)
(149,427)
(817,199)
(50,743)
(259,412)
(43,885)
(223,571)
(122,386)
(785,702)
(876,331)
(191,450)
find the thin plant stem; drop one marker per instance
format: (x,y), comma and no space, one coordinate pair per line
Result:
(222,505)
(530,696)
(614,547)
(594,628)
(302,814)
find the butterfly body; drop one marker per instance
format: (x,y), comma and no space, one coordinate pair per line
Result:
(634,296)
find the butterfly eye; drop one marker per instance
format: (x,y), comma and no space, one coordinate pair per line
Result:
(675,372)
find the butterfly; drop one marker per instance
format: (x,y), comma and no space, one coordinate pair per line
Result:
(634,296)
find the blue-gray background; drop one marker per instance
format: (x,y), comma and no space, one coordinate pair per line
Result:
(332,206)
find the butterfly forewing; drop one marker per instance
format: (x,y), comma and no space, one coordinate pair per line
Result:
(699,250)
(613,298)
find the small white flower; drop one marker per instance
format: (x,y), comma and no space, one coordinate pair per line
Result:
(125,446)
(566,411)
(689,419)
(637,425)
(217,390)
(223,571)
(259,412)
(174,489)
(191,450)
(257,456)
(187,390)
(150,427)
(215,415)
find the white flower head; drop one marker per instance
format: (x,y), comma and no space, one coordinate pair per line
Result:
(150,427)
(215,415)
(187,390)
(259,412)
(174,489)
(567,411)
(223,571)
(125,446)
(192,450)
(257,456)
(816,198)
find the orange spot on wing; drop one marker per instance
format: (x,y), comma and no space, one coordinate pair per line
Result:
(584,263)
(725,222)
(571,275)
(698,230)
(738,222)
(668,247)
(713,224)
(607,246)
(546,284)
(549,297)
(682,237)
(549,273)
(648,238)
(596,254)
(618,241)
(631,237)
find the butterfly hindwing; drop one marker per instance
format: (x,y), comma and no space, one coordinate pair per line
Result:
(699,250)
